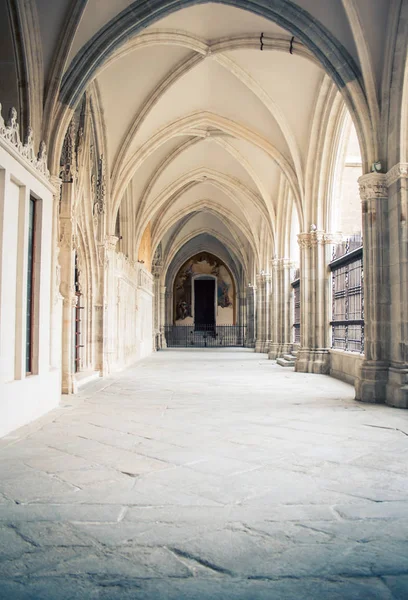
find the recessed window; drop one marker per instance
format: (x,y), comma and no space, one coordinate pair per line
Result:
(30,286)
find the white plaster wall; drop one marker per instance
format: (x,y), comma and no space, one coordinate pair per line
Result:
(25,398)
(345,365)
(9,278)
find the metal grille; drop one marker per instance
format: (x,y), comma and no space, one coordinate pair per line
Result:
(296,311)
(78,320)
(348,301)
(204,336)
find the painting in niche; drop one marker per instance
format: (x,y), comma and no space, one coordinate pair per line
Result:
(203,264)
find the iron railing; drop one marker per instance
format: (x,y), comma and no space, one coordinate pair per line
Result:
(348,297)
(205,336)
(296,307)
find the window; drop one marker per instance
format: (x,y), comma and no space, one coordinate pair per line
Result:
(30,286)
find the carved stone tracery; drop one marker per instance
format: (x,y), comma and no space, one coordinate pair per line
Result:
(10,131)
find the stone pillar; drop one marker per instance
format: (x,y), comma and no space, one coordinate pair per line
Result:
(313,355)
(274,347)
(67,262)
(109,320)
(169,308)
(250,316)
(397,386)
(263,335)
(371,385)
(156,310)
(280,308)
(163,343)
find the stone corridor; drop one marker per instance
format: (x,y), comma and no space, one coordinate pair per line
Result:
(207,475)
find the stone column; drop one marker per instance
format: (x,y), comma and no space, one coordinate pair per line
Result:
(250,316)
(313,355)
(280,308)
(397,386)
(371,385)
(163,343)
(67,262)
(109,320)
(263,335)
(274,347)
(169,308)
(156,310)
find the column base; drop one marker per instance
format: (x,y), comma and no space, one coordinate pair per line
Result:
(274,351)
(69,385)
(371,386)
(262,346)
(397,386)
(277,350)
(313,361)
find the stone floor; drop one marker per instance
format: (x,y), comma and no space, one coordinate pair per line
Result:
(206,475)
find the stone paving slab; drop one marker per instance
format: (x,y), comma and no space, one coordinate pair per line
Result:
(199,475)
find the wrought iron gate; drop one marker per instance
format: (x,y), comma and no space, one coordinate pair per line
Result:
(205,336)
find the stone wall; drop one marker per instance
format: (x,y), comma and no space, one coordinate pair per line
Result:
(345,365)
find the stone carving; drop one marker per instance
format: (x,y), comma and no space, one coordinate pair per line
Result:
(100,192)
(315,238)
(145,280)
(399,171)
(68,159)
(373,186)
(10,132)
(280,264)
(157,263)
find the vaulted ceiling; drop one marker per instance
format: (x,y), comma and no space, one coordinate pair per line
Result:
(209,111)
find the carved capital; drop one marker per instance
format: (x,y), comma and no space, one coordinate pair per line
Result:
(110,242)
(398,171)
(316,238)
(373,186)
(280,264)
(263,278)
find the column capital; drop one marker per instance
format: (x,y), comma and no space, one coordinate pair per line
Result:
(263,278)
(110,242)
(316,238)
(397,172)
(373,186)
(282,263)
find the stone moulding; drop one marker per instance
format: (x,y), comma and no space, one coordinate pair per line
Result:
(397,172)
(10,133)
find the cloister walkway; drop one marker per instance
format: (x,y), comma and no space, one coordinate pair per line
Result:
(207,474)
